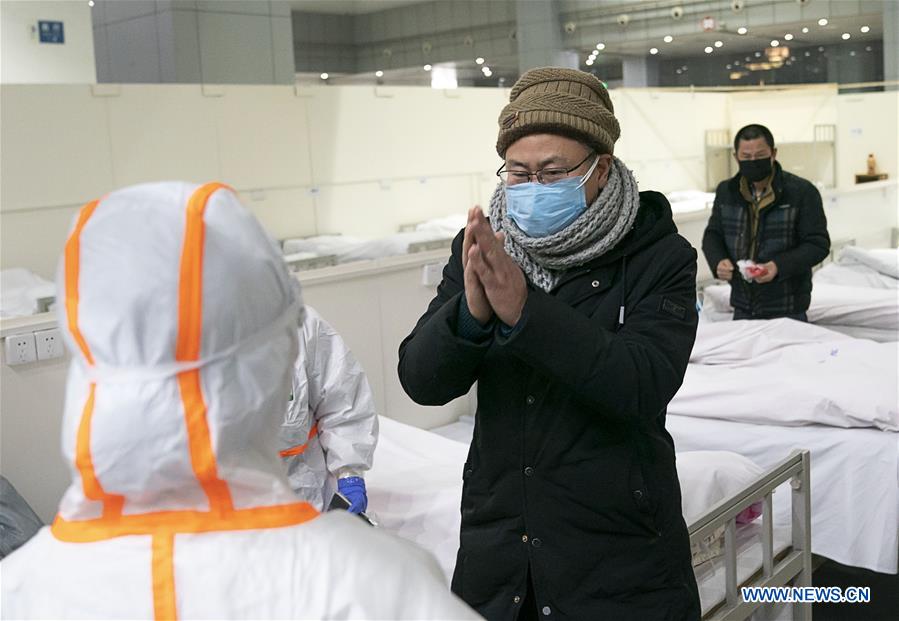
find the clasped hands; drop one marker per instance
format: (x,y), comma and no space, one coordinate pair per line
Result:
(494,284)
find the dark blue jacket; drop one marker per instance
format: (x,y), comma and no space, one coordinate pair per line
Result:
(792,232)
(571,473)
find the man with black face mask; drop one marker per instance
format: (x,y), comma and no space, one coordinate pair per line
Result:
(774,222)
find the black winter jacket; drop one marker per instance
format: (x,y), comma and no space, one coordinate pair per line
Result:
(571,472)
(792,232)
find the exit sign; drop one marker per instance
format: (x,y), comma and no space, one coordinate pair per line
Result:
(51,32)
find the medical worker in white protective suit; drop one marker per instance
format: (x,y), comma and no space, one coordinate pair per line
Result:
(182,323)
(331,428)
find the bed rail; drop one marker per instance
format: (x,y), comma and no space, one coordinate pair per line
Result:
(793,566)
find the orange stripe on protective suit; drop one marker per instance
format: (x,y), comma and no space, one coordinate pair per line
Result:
(163,526)
(300,448)
(72,271)
(190,328)
(164,606)
(112,503)
(93,490)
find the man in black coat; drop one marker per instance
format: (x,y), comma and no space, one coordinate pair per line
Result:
(772,218)
(573,308)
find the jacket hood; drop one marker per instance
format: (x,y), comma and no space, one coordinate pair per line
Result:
(182,322)
(653,222)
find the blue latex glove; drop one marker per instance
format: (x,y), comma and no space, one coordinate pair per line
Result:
(354,490)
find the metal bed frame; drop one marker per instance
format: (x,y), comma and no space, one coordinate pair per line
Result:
(793,566)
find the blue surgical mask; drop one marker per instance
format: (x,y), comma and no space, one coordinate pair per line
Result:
(541,210)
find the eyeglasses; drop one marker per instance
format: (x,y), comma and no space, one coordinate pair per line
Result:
(544,176)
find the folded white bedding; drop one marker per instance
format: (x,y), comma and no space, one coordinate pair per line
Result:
(415,486)
(854,275)
(788,373)
(687,201)
(883,260)
(866,307)
(20,290)
(448,226)
(349,248)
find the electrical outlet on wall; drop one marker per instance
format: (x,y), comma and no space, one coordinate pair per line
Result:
(48,344)
(19,349)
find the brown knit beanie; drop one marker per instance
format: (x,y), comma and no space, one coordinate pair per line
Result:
(562,101)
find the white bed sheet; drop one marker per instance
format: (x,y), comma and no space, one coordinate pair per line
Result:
(831,305)
(348,248)
(788,373)
(20,289)
(448,226)
(854,476)
(854,275)
(415,486)
(690,201)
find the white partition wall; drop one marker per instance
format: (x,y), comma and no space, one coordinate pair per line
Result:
(867,123)
(360,160)
(663,135)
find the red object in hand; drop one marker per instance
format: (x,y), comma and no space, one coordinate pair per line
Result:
(756,270)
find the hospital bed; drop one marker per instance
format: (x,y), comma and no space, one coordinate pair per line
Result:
(415,490)
(765,388)
(862,312)
(690,201)
(24,293)
(425,236)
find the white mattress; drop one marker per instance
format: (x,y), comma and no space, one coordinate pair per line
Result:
(415,489)
(855,275)
(20,289)
(690,201)
(737,371)
(854,475)
(831,305)
(348,248)
(445,227)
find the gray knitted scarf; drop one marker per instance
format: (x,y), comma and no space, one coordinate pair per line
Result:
(595,232)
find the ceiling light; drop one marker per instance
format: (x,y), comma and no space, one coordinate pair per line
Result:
(487,74)
(427,67)
(479,60)
(679,71)
(846,36)
(865,29)
(600,46)
(788,37)
(589,62)
(90,3)
(758,54)
(709,49)
(807,54)
(729,67)
(653,50)
(774,42)
(821,48)
(742,30)
(719,43)
(737,63)
(869,49)
(668,39)
(805,30)
(379,74)
(822,21)
(324,76)
(852,53)
(485,69)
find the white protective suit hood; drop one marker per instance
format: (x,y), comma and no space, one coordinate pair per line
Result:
(177,379)
(183,321)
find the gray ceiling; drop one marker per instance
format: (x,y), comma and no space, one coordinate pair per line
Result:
(352,39)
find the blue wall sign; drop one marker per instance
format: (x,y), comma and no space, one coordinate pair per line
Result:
(51,32)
